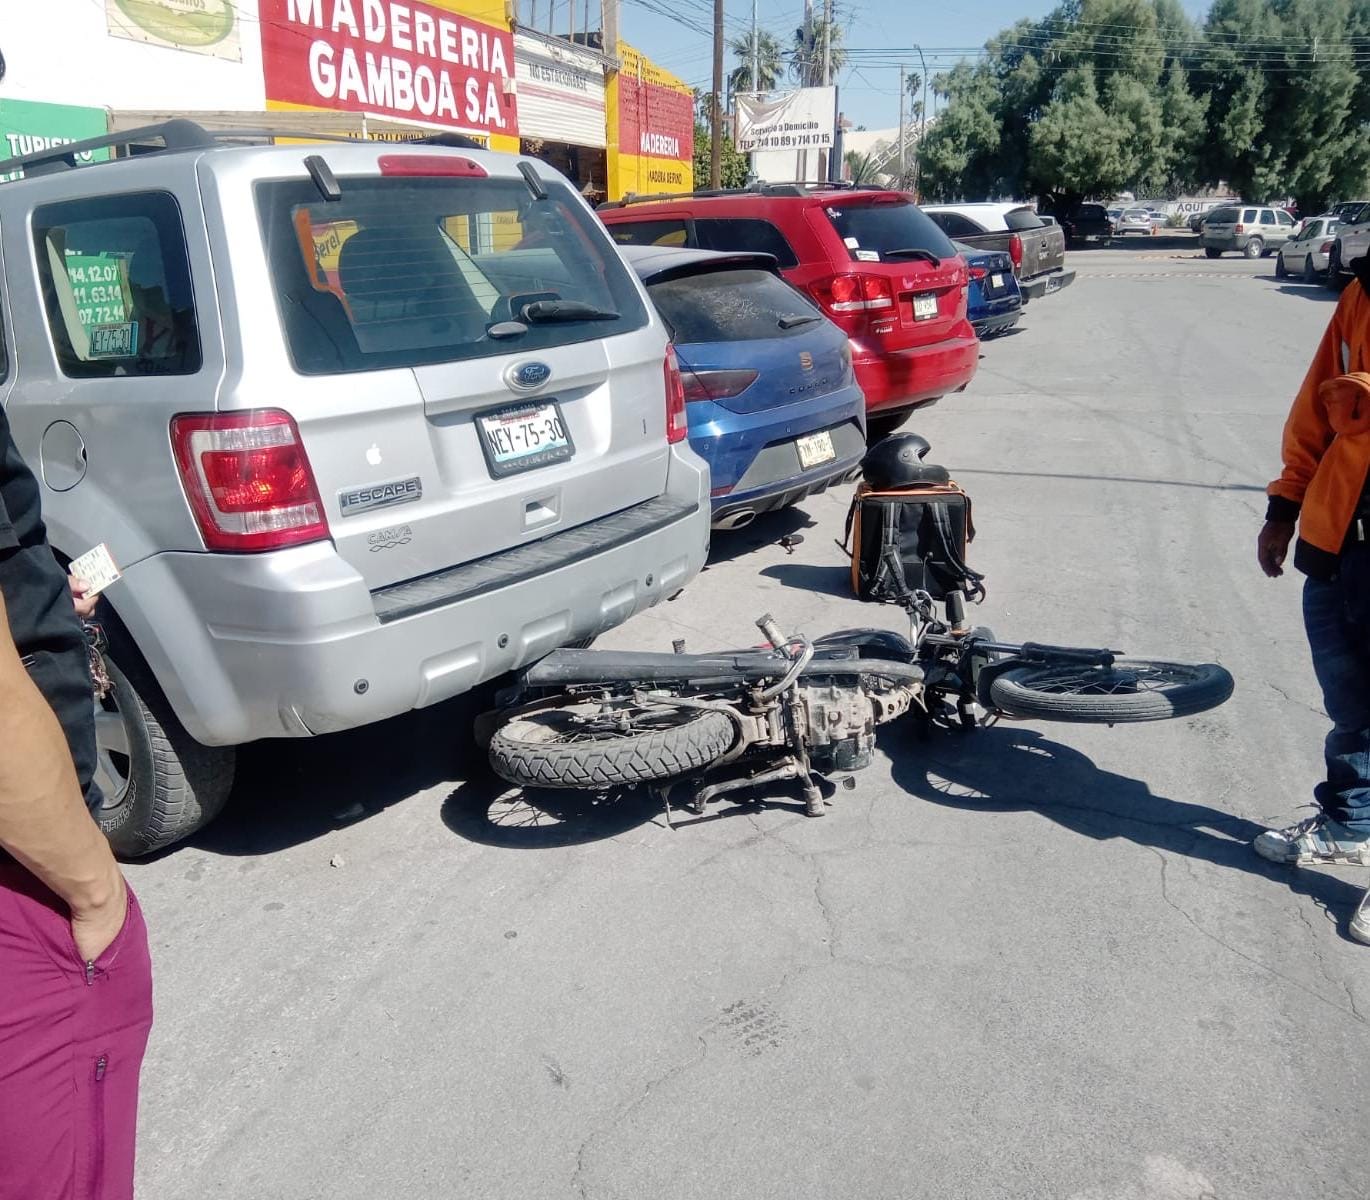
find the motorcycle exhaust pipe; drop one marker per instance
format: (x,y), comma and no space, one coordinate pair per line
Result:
(736,520)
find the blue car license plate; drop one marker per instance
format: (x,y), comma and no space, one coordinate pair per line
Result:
(524,436)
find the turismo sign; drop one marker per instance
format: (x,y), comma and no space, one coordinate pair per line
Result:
(410,60)
(26,128)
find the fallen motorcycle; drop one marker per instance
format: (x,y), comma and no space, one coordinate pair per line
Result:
(704,725)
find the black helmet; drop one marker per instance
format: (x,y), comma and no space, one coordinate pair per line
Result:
(897,461)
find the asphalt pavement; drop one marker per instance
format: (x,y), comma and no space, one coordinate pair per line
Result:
(1033,961)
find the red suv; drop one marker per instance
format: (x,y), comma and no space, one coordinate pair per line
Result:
(875,263)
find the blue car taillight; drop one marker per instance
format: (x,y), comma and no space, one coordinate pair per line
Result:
(716,385)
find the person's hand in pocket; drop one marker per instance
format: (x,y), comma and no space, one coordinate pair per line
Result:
(95,924)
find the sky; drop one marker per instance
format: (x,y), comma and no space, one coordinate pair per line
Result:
(869,92)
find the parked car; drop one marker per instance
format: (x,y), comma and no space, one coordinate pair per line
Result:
(1352,242)
(1132,220)
(770,394)
(1038,251)
(1307,253)
(1348,211)
(1251,229)
(1088,223)
(1158,218)
(1196,222)
(876,266)
(364,425)
(995,303)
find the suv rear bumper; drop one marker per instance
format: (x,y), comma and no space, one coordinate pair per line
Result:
(902,378)
(320,653)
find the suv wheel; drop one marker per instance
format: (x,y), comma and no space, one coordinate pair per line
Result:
(1281,271)
(1335,279)
(160,784)
(1213,252)
(882,426)
(1254,248)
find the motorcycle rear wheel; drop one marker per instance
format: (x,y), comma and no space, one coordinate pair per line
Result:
(1130,690)
(597,745)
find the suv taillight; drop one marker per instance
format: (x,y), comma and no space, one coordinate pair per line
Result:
(1241,229)
(248,480)
(1015,249)
(677,424)
(1325,248)
(853,293)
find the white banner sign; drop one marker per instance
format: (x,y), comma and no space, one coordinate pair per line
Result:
(801,120)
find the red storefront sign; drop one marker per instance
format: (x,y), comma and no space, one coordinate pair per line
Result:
(409,60)
(654,121)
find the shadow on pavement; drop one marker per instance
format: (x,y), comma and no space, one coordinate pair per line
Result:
(768,528)
(488,810)
(1308,291)
(1011,769)
(289,792)
(810,577)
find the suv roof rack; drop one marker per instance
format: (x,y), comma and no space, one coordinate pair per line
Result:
(790,187)
(181,133)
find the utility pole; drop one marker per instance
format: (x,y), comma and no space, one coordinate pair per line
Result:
(902,90)
(608,27)
(756,53)
(824,156)
(716,143)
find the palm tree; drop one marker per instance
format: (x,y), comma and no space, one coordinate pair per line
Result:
(806,58)
(861,167)
(770,63)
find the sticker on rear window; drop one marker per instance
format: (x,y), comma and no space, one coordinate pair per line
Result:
(113,341)
(851,243)
(867,255)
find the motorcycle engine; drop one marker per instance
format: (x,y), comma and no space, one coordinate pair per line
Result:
(841,735)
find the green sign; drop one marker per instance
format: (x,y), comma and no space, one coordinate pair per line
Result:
(99,285)
(27,127)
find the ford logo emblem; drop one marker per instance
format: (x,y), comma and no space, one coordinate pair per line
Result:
(527,376)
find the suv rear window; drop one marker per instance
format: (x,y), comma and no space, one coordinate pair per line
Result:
(116,285)
(875,231)
(1091,212)
(406,271)
(650,233)
(1019,220)
(730,306)
(1222,216)
(744,233)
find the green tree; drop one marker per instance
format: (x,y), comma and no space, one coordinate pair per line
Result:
(806,54)
(734,165)
(770,63)
(861,167)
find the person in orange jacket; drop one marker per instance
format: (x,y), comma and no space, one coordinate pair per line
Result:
(1324,490)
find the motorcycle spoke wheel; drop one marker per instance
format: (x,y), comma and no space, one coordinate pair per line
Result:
(1130,690)
(602,744)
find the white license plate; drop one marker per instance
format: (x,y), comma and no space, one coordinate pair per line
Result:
(524,436)
(996,281)
(815,448)
(924,307)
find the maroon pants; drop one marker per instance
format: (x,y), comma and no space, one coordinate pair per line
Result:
(71,1047)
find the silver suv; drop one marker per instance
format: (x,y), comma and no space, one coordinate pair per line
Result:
(1252,229)
(363,425)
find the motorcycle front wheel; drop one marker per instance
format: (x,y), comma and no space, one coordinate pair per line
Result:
(601,744)
(1130,690)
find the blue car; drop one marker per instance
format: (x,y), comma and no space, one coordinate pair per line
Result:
(995,301)
(772,403)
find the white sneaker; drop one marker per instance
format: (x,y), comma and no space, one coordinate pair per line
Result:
(1317,840)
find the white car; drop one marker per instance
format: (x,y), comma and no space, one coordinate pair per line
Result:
(1132,220)
(1307,253)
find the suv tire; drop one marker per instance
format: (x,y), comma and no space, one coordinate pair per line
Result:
(884,424)
(161,785)
(1255,248)
(1281,271)
(1213,252)
(1335,279)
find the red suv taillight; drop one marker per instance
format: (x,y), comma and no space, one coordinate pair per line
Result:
(248,480)
(854,293)
(1325,248)
(1241,229)
(677,424)
(1015,249)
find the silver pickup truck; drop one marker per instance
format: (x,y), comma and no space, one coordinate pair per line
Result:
(1038,249)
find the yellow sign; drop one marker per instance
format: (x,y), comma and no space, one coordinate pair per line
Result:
(650,117)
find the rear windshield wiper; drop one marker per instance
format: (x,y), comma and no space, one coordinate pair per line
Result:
(794,320)
(914,252)
(545,312)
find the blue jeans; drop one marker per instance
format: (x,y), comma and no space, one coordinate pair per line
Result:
(1341,661)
